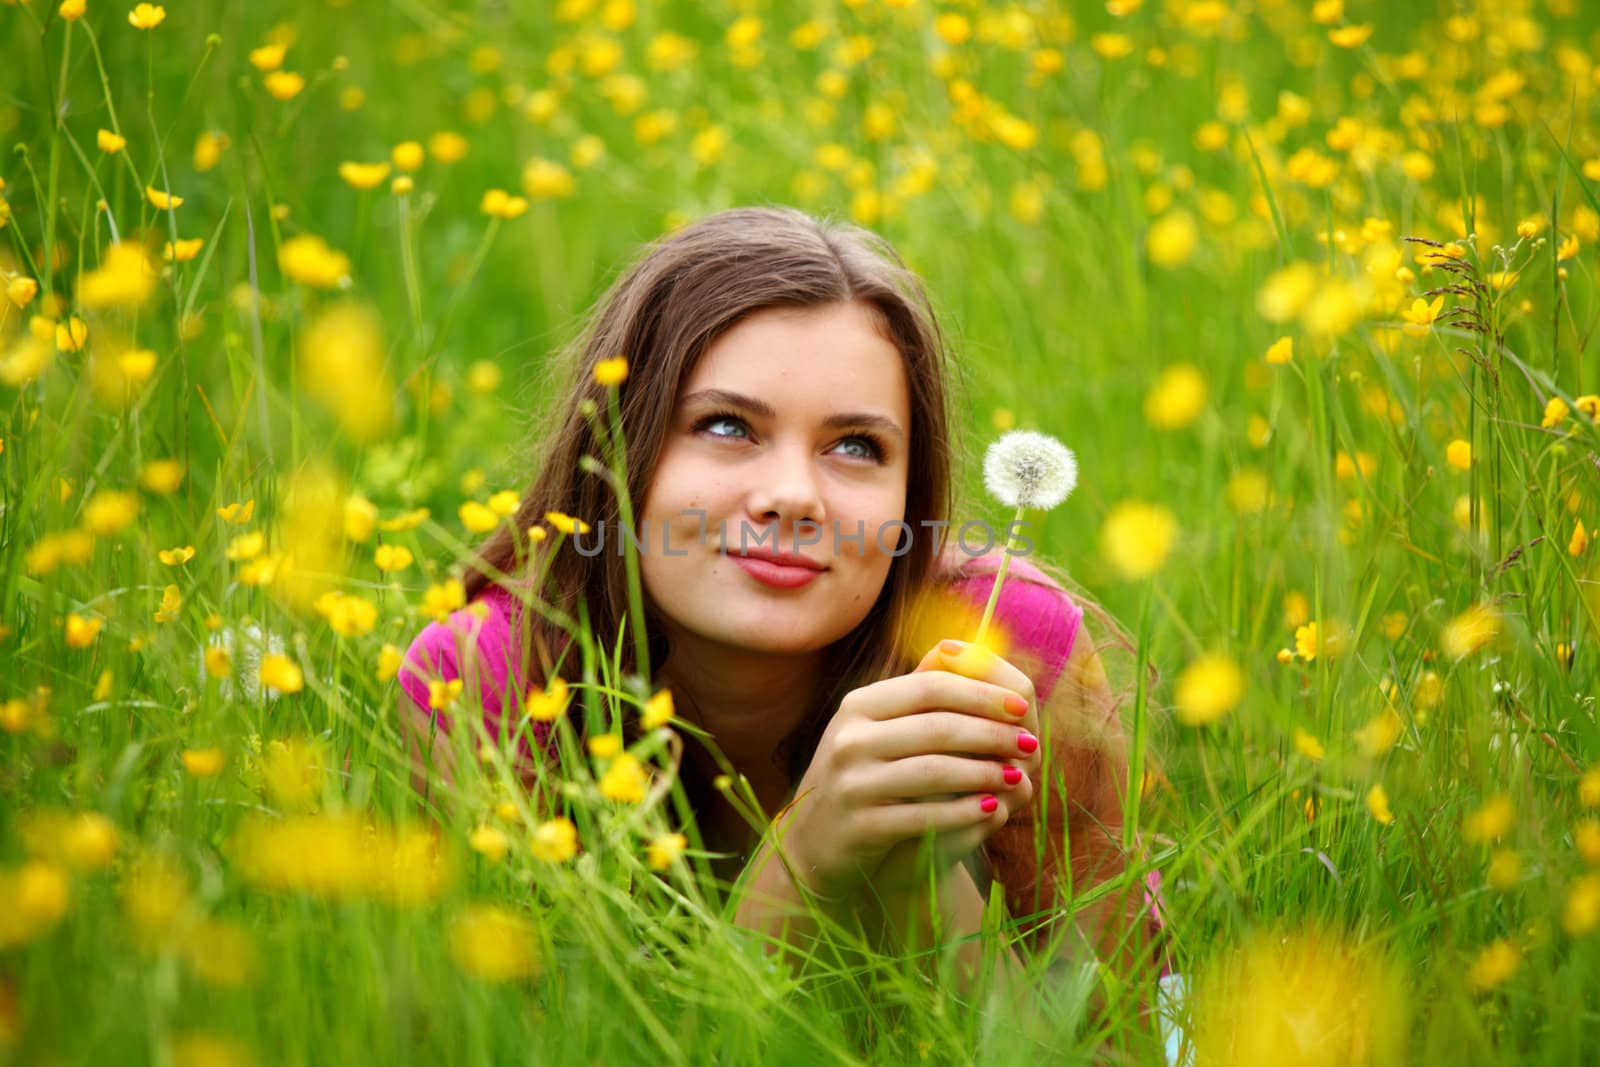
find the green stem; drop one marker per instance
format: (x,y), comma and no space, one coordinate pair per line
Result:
(619,469)
(1130,817)
(999,578)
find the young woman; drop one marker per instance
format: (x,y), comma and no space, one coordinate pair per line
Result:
(786,412)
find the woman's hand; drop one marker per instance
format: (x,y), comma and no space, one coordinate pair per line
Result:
(929,750)
(907,861)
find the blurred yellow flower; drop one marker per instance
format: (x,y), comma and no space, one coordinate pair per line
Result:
(284,84)
(477,518)
(1555,413)
(308,260)
(625,779)
(110,511)
(21,290)
(110,143)
(1505,868)
(547,704)
(447,146)
(208,149)
(1582,911)
(1579,542)
(344,367)
(554,841)
(281,673)
(38,895)
(162,200)
(72,10)
(1281,350)
(1380,733)
(347,615)
(1177,398)
(658,710)
(613,371)
(1459,454)
(666,850)
(500,204)
(544,179)
(1136,538)
(389,660)
(490,842)
(566,524)
(1470,631)
(268,56)
(176,557)
(81,632)
(203,762)
(392,557)
(1172,239)
(146,16)
(363,175)
(161,475)
(442,599)
(171,601)
(1207,689)
(1308,746)
(218,661)
(1490,822)
(1351,36)
(123,277)
(182,250)
(1111,45)
(1497,962)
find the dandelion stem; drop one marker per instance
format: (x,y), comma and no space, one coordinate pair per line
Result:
(999,576)
(1130,815)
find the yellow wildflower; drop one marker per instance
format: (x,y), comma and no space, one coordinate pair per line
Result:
(554,841)
(308,260)
(162,200)
(281,673)
(658,710)
(284,84)
(1378,804)
(566,523)
(613,371)
(203,762)
(82,632)
(1555,413)
(1497,962)
(1490,822)
(1137,537)
(665,850)
(392,557)
(548,704)
(1207,689)
(1470,631)
(1351,36)
(625,779)
(363,175)
(1281,350)
(1308,746)
(489,842)
(146,16)
(109,142)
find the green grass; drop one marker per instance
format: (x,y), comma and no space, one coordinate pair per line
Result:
(1063,319)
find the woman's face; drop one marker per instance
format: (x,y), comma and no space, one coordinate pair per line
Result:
(791,436)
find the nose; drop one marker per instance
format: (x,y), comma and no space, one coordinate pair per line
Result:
(786,492)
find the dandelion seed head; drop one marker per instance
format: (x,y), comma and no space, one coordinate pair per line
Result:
(1029,470)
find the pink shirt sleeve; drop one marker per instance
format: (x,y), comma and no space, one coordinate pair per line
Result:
(483,652)
(1035,611)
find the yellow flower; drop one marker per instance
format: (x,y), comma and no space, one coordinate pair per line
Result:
(219,664)
(566,523)
(1459,454)
(363,175)
(407,155)
(82,632)
(1308,746)
(146,16)
(236,513)
(478,518)
(604,746)
(208,149)
(1582,912)
(109,511)
(246,546)
(1568,247)
(1178,397)
(1209,688)
(1286,292)
(548,704)
(176,557)
(203,762)
(1378,804)
(161,475)
(71,335)
(1137,537)
(1380,733)
(1580,540)
(1490,822)
(110,143)
(1470,631)
(389,660)
(500,204)
(21,290)
(554,841)
(1351,36)
(171,601)
(38,895)
(1505,867)
(308,260)
(442,695)
(360,518)
(392,557)
(1420,316)
(1281,350)
(447,146)
(544,179)
(268,57)
(72,10)
(1496,963)
(489,842)
(613,371)
(281,673)
(348,616)
(1171,239)
(625,780)
(952,28)
(284,84)
(1555,413)
(658,710)
(1111,45)
(504,503)
(182,250)
(665,850)
(1586,836)
(491,943)
(124,276)
(442,599)
(162,200)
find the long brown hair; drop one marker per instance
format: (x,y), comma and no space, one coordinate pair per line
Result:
(684,291)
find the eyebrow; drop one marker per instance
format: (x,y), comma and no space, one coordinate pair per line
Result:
(843,420)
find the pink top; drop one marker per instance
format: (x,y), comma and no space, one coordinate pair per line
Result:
(1034,610)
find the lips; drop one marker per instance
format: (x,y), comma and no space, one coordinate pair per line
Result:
(766,569)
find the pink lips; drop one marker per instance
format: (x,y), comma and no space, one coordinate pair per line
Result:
(780,570)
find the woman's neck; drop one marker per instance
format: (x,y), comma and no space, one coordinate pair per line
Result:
(747,703)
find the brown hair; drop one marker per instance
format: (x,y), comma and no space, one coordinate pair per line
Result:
(684,291)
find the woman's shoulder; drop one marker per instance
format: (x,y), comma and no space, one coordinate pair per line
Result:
(1035,611)
(479,634)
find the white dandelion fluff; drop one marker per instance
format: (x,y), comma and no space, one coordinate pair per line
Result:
(1025,469)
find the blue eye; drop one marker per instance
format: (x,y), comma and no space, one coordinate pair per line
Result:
(870,447)
(713,420)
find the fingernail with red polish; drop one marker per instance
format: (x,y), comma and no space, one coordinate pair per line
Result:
(1027,742)
(1013,775)
(1016,705)
(988,804)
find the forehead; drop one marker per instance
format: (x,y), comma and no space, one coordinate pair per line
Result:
(808,357)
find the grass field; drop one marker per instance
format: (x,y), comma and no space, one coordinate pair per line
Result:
(282,283)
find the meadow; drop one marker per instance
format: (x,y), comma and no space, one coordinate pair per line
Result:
(1308,286)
